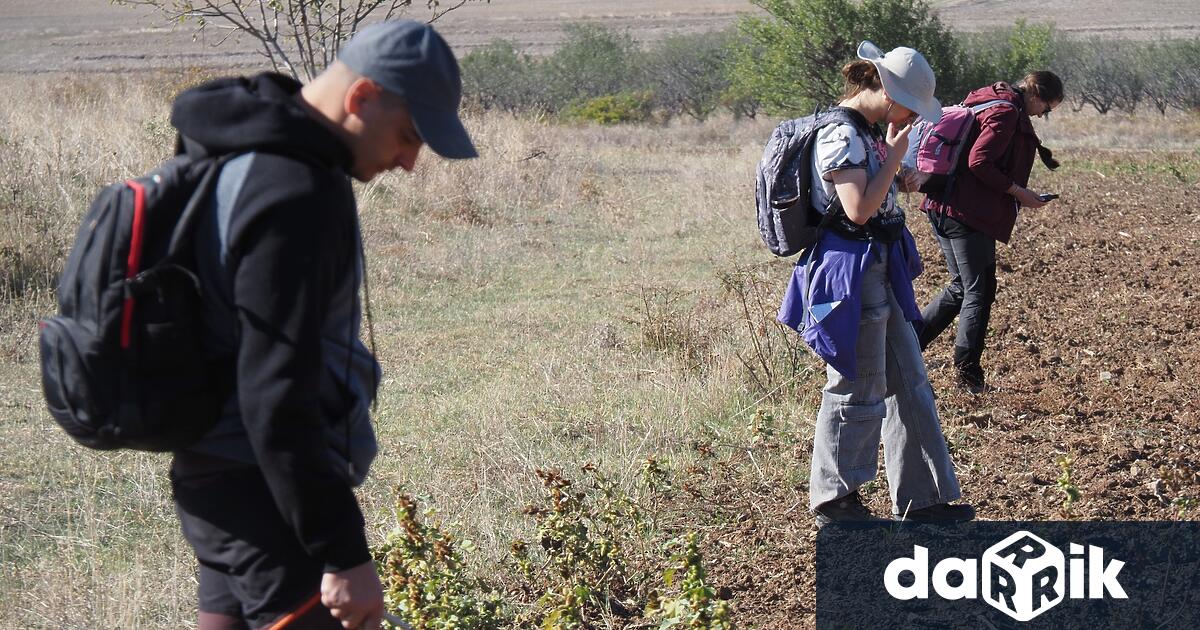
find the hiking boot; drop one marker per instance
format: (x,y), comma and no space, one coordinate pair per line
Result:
(972,380)
(970,372)
(848,509)
(940,513)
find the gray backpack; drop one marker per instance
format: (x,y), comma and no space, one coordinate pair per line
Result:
(787,221)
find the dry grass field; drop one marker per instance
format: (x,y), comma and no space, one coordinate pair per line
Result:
(567,299)
(92,35)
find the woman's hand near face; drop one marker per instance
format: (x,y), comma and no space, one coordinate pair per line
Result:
(897,139)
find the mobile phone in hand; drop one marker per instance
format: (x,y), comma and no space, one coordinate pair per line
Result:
(1048,196)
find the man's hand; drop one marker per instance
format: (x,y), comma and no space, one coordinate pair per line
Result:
(1027,197)
(354,597)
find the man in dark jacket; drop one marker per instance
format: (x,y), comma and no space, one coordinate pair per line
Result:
(981,208)
(266,498)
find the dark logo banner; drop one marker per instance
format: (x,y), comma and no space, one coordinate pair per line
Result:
(1016,575)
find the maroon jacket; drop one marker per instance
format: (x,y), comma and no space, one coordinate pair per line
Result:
(1002,151)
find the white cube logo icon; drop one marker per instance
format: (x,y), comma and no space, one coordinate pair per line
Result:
(1023,576)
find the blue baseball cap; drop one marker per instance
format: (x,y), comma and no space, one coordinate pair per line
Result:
(411,60)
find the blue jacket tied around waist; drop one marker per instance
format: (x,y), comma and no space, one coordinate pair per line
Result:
(823,300)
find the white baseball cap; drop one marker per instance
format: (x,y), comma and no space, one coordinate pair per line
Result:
(906,77)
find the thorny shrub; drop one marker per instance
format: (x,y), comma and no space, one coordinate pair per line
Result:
(697,327)
(669,321)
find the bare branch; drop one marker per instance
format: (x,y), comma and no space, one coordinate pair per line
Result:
(396,5)
(308,31)
(437,14)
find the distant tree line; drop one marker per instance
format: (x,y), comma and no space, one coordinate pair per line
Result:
(788,61)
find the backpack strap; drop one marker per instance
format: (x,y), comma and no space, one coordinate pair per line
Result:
(844,115)
(196,205)
(180,247)
(837,116)
(228,187)
(975,109)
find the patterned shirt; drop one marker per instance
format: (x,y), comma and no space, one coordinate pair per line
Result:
(840,147)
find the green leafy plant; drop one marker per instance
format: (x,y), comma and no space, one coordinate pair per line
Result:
(592,61)
(690,72)
(611,109)
(499,76)
(425,580)
(696,604)
(583,534)
(791,58)
(596,556)
(1070,491)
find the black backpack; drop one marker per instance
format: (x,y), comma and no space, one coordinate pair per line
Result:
(787,220)
(122,363)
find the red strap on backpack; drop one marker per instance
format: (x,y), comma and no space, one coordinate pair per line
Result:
(134,262)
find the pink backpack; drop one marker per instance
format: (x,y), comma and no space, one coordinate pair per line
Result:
(934,149)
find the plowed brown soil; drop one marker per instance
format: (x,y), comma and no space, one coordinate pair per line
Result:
(1095,351)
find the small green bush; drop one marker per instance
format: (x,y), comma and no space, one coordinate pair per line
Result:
(498,76)
(1006,54)
(690,72)
(426,582)
(696,605)
(611,109)
(593,61)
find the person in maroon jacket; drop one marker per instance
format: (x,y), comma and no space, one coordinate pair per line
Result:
(981,209)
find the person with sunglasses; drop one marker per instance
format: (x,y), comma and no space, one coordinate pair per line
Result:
(981,208)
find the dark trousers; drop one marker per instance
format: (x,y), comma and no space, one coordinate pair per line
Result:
(971,261)
(253,571)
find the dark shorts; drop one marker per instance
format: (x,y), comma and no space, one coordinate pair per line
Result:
(251,566)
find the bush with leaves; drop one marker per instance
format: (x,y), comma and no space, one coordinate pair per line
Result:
(696,605)
(592,61)
(587,538)
(791,58)
(499,76)
(690,72)
(1006,54)
(425,580)
(611,109)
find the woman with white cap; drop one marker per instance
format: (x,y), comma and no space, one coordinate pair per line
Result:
(852,297)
